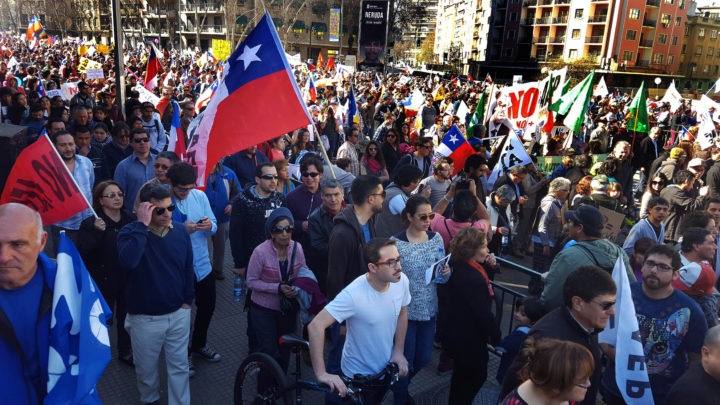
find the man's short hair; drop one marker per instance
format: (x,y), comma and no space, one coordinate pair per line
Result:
(259,168)
(310,160)
(362,187)
(372,249)
(420,141)
(473,162)
(587,282)
(712,200)
(330,183)
(667,251)
(343,163)
(83,129)
(181,173)
(136,131)
(152,191)
(465,204)
(558,184)
(519,170)
(657,201)
(407,174)
(59,134)
(681,176)
(693,236)
(694,219)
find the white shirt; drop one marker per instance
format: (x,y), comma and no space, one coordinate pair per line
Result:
(371,322)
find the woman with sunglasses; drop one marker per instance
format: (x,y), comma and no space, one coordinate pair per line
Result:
(557,373)
(97,243)
(391,150)
(419,248)
(467,324)
(656,184)
(273,266)
(373,163)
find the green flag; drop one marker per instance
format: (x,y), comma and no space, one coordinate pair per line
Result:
(477,117)
(638,119)
(566,86)
(573,104)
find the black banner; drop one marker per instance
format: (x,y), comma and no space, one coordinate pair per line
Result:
(373,35)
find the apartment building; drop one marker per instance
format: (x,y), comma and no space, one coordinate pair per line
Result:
(700,53)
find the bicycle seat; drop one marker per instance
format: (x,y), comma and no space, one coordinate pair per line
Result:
(293,342)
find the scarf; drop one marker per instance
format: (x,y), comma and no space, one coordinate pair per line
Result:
(372,165)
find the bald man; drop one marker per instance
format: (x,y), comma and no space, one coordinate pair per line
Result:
(25,305)
(700,385)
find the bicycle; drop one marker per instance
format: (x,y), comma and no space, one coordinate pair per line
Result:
(261,381)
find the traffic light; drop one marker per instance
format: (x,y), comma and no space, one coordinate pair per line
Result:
(418,43)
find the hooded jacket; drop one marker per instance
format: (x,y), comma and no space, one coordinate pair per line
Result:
(681,203)
(598,252)
(346,251)
(247,222)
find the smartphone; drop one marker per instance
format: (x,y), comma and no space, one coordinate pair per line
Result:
(202,220)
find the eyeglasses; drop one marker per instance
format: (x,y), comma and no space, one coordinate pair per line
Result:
(424,217)
(269,176)
(427,146)
(657,182)
(161,166)
(605,305)
(310,174)
(280,229)
(382,194)
(141,140)
(160,211)
(660,266)
(183,189)
(391,262)
(113,195)
(390,136)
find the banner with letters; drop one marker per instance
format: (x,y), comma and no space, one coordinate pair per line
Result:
(513,154)
(373,35)
(334,26)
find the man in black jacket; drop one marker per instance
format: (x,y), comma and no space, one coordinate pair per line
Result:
(320,225)
(421,158)
(589,298)
(682,200)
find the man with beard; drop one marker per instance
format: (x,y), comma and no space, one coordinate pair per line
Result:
(163,161)
(672,326)
(83,173)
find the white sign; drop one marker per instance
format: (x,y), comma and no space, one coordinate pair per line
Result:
(69,90)
(513,154)
(95,74)
(55,92)
(517,79)
(146,95)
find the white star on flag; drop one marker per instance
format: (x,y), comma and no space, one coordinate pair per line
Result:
(453,138)
(249,56)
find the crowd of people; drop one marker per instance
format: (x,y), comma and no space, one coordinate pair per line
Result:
(332,230)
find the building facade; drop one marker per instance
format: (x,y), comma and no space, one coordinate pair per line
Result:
(700,53)
(454,30)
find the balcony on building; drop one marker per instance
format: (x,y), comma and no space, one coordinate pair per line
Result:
(643,63)
(595,39)
(563,19)
(530,3)
(649,23)
(204,6)
(598,19)
(527,21)
(545,2)
(558,39)
(652,3)
(562,2)
(544,21)
(645,43)
(500,4)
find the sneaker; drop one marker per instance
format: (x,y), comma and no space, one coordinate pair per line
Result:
(191,366)
(209,354)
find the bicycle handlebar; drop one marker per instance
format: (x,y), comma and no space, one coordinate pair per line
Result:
(391,370)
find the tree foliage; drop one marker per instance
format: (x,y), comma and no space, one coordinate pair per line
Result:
(427,49)
(578,69)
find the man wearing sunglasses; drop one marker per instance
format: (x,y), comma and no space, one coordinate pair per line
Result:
(305,198)
(138,168)
(672,326)
(157,255)
(163,161)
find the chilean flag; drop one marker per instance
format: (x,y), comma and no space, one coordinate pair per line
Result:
(310,92)
(257,99)
(176,143)
(152,68)
(41,88)
(205,97)
(414,103)
(456,147)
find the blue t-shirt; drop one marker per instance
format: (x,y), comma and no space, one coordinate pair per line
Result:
(21,307)
(366,231)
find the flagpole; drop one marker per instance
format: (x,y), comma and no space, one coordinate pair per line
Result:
(632,147)
(71,176)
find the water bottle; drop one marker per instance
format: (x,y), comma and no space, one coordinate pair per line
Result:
(238,289)
(505,241)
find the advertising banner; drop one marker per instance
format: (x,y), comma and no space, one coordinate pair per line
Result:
(334,25)
(373,35)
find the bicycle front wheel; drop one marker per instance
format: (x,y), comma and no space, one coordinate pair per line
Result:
(261,381)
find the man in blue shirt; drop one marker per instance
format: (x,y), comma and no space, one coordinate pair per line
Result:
(244,163)
(25,305)
(135,170)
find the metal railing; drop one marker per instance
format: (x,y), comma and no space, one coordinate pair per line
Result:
(557,39)
(598,18)
(562,2)
(649,23)
(544,20)
(502,292)
(647,43)
(595,39)
(560,20)
(210,6)
(541,40)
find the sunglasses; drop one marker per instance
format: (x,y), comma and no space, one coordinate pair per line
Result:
(269,176)
(161,166)
(372,149)
(160,211)
(113,195)
(279,229)
(311,174)
(141,140)
(605,305)
(390,136)
(382,194)
(424,217)
(657,182)
(183,189)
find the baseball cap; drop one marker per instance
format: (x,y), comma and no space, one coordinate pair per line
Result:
(696,278)
(587,216)
(676,152)
(696,162)
(601,178)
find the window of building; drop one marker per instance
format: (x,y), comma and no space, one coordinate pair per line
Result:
(711,51)
(716,69)
(698,50)
(575,34)
(678,21)
(579,13)
(718,53)
(573,54)
(683,50)
(669,1)
(687,31)
(508,53)
(511,34)
(630,35)
(701,33)
(634,14)
(513,16)
(658,58)
(662,39)
(671,60)
(713,34)
(665,20)
(627,55)
(682,4)
(706,68)
(675,40)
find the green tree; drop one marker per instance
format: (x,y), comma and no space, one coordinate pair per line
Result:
(427,49)
(578,69)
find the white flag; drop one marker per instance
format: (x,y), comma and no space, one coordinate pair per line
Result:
(462,112)
(623,332)
(601,89)
(673,97)
(716,86)
(513,154)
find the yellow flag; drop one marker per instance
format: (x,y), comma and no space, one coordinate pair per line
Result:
(438,93)
(82,50)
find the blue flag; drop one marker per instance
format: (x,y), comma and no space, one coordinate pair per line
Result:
(79,339)
(352,110)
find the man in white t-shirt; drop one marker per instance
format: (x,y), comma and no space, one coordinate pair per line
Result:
(374,307)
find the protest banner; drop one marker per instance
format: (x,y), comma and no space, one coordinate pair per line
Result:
(221,49)
(146,95)
(95,74)
(612,222)
(55,92)
(103,49)
(69,90)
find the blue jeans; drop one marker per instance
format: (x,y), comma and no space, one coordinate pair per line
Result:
(418,349)
(334,360)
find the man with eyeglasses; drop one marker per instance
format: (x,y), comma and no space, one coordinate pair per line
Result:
(305,198)
(349,150)
(135,170)
(157,256)
(163,161)
(374,308)
(588,302)
(585,225)
(192,208)
(672,326)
